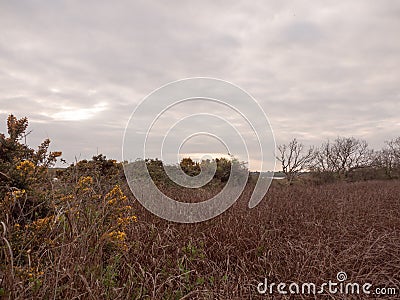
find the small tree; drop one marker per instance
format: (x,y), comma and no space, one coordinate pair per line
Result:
(294,159)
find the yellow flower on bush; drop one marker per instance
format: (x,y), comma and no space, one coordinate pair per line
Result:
(124,221)
(118,238)
(115,195)
(11,197)
(67,198)
(28,273)
(26,167)
(40,224)
(85,181)
(18,194)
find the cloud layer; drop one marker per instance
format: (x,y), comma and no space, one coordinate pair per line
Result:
(319,69)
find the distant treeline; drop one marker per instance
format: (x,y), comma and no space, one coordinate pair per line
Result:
(218,170)
(345,158)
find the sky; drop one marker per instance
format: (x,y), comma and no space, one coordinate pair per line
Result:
(319,69)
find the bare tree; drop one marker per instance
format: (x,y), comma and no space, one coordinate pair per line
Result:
(385,160)
(343,155)
(324,160)
(389,157)
(394,148)
(294,159)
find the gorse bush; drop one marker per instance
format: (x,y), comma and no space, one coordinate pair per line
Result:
(84,214)
(104,172)
(24,183)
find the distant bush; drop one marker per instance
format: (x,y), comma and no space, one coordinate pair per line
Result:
(105,172)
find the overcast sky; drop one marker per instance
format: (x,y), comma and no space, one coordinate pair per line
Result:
(319,69)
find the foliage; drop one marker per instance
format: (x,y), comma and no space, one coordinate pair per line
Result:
(84,215)
(85,236)
(24,180)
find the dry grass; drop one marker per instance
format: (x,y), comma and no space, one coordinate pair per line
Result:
(298,233)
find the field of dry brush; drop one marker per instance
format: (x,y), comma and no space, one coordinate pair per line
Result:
(298,233)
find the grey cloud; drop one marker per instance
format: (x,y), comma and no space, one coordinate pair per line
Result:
(319,69)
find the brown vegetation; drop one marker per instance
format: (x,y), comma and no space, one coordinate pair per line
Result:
(84,236)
